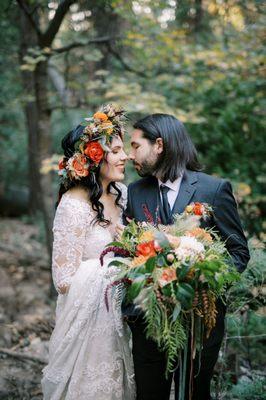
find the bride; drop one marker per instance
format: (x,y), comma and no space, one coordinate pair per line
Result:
(89,354)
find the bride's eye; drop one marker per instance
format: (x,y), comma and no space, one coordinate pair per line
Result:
(116,150)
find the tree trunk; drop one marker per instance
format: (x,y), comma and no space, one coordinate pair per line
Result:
(37,109)
(38,121)
(45,150)
(198,16)
(29,39)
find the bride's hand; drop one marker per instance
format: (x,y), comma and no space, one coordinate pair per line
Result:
(119,229)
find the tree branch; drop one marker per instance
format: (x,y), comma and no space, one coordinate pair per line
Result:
(123,63)
(104,39)
(50,33)
(246,336)
(29,16)
(59,83)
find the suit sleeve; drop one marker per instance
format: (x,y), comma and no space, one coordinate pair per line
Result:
(228,223)
(128,212)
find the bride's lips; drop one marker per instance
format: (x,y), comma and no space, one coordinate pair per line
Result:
(121,167)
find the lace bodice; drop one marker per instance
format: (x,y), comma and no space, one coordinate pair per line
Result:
(76,239)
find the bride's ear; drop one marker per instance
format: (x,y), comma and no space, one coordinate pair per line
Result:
(159,145)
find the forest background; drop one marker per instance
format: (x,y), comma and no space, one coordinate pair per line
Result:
(200,60)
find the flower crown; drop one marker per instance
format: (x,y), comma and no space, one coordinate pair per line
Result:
(93,143)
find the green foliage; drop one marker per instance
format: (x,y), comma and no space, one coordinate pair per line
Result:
(248,293)
(13,166)
(173,340)
(251,389)
(172,337)
(206,68)
(185,294)
(243,352)
(134,289)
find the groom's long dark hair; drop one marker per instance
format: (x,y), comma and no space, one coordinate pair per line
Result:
(179,151)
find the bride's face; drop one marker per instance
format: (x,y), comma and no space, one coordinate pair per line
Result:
(113,166)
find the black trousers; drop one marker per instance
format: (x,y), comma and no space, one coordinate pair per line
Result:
(150,363)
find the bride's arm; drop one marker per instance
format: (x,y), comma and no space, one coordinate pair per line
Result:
(69,236)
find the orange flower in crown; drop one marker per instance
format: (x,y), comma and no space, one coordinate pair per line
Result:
(93,143)
(94,151)
(78,166)
(61,164)
(100,116)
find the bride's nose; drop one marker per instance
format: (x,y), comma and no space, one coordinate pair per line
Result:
(124,156)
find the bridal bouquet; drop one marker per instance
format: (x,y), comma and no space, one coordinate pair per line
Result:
(174,274)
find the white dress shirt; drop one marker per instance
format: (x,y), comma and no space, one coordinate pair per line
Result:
(174,190)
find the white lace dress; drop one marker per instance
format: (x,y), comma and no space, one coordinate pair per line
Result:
(89,352)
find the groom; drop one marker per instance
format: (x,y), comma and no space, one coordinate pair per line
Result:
(166,159)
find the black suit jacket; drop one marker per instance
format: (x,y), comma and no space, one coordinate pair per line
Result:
(144,203)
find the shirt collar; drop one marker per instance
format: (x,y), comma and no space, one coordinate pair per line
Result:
(172,185)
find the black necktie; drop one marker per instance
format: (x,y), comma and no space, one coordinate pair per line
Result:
(166,207)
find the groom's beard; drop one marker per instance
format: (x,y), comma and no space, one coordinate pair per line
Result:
(147,168)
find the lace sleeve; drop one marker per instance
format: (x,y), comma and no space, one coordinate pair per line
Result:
(69,229)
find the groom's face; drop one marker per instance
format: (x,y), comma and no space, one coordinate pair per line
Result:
(144,154)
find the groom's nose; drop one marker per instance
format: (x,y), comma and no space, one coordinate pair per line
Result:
(131,156)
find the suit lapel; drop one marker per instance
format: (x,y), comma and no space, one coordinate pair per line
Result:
(186,191)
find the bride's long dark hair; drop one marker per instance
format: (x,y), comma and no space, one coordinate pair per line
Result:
(92,183)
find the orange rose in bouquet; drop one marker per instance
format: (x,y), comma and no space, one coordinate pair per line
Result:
(198,209)
(146,249)
(200,233)
(168,275)
(202,210)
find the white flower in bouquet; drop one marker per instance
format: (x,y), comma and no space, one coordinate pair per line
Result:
(189,248)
